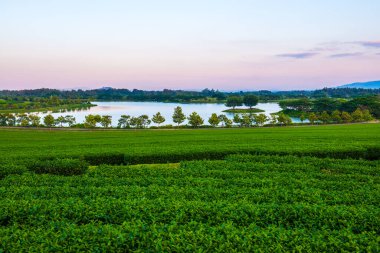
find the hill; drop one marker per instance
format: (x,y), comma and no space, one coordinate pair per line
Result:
(364,85)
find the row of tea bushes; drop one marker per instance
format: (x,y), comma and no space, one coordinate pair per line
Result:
(243,203)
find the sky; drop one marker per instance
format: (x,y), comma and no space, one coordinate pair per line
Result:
(191,45)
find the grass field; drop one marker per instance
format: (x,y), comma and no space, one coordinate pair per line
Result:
(215,190)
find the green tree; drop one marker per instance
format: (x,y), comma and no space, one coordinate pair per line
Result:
(135,122)
(34,120)
(302,117)
(22,119)
(61,120)
(11,119)
(246,120)
(195,120)
(325,117)
(226,122)
(106,121)
(178,116)
(346,117)
(3,119)
(367,115)
(70,120)
(237,119)
(234,101)
(312,117)
(49,120)
(336,116)
(91,121)
(273,119)
(143,121)
(260,119)
(284,119)
(124,121)
(357,115)
(214,120)
(250,100)
(158,118)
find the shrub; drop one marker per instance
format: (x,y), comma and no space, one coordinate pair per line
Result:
(105,158)
(11,169)
(64,167)
(373,153)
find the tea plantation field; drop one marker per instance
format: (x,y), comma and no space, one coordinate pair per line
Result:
(307,189)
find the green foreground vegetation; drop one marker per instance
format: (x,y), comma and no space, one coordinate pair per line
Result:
(310,188)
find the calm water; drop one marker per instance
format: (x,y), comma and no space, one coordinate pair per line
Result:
(116,109)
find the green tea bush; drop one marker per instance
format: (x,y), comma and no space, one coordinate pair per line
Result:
(373,153)
(11,169)
(64,167)
(105,158)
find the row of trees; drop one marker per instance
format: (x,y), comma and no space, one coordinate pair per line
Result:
(359,115)
(371,103)
(178,117)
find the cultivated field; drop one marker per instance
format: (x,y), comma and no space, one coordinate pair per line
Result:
(270,189)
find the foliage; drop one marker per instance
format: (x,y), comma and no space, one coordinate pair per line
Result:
(49,120)
(178,116)
(158,118)
(195,120)
(234,101)
(65,167)
(250,100)
(245,203)
(214,120)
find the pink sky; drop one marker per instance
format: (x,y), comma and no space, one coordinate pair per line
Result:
(247,46)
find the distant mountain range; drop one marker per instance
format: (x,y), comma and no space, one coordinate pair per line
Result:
(365,85)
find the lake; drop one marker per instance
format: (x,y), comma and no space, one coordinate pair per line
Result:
(116,109)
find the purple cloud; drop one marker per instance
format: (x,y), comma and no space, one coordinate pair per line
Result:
(375,44)
(298,55)
(343,55)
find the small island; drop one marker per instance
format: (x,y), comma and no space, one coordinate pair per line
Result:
(244,110)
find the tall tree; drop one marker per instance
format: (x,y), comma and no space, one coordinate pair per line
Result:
(312,117)
(214,120)
(346,117)
(336,116)
(367,116)
(260,119)
(250,100)
(234,101)
(324,117)
(158,118)
(195,120)
(49,120)
(70,120)
(178,116)
(34,120)
(144,121)
(124,121)
(61,120)
(357,115)
(106,121)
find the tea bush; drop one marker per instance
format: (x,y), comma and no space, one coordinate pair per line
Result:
(65,167)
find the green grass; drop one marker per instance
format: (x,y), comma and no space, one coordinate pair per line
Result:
(245,110)
(309,188)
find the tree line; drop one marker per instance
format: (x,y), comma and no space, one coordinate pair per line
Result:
(167,95)
(305,105)
(194,120)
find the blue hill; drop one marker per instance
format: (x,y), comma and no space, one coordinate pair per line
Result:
(365,85)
